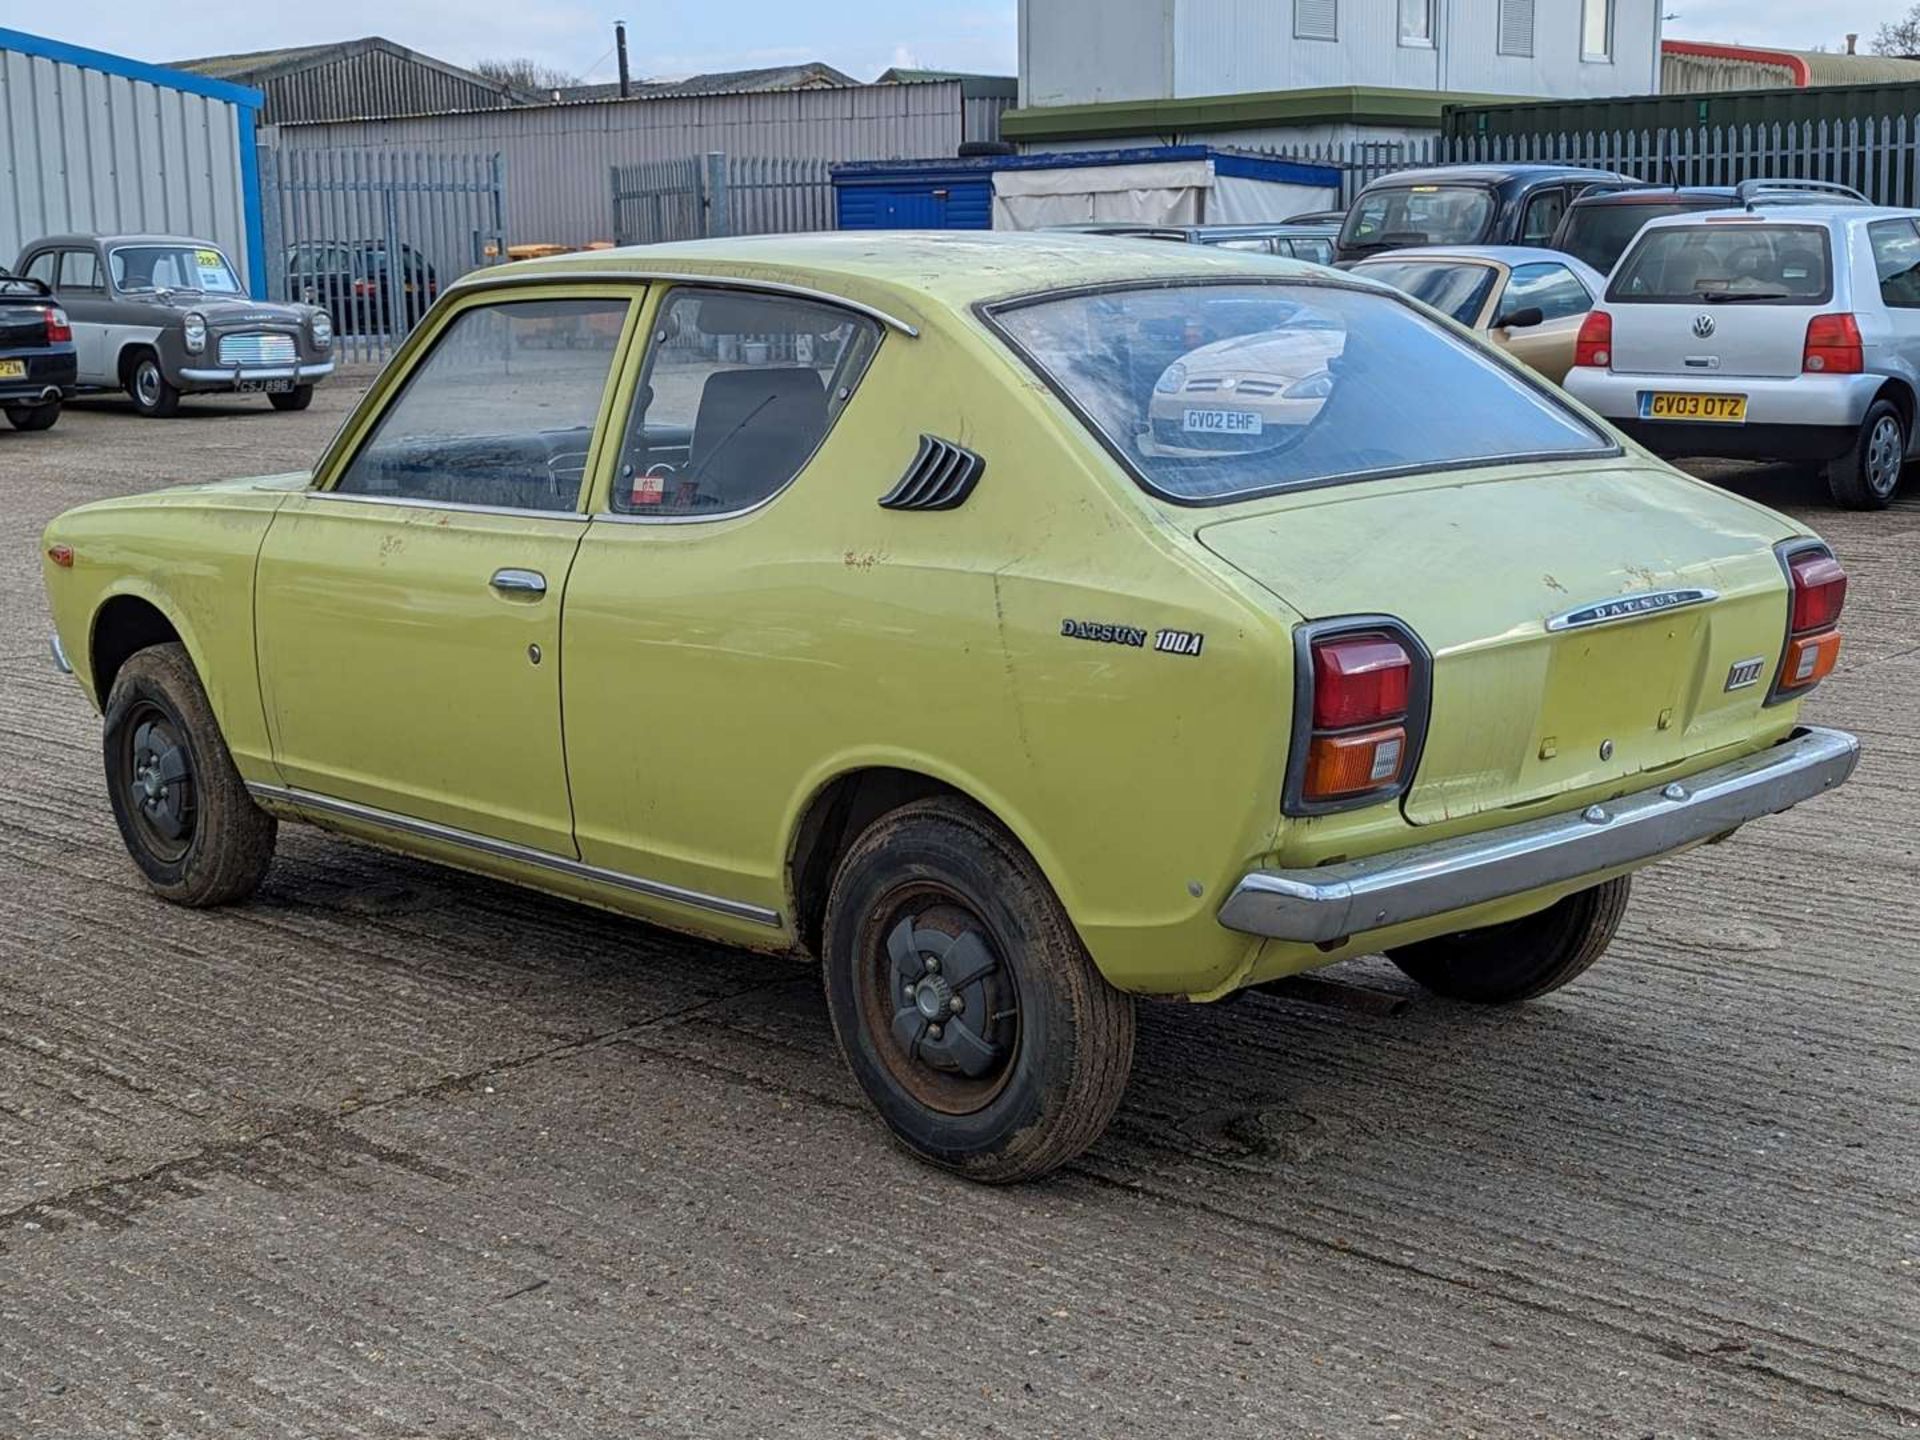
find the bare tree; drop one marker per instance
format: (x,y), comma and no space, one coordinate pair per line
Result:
(524,74)
(1899,37)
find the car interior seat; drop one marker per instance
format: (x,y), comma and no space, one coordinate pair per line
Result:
(754,429)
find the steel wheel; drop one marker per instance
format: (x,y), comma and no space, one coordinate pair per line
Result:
(157,773)
(934,985)
(1882,461)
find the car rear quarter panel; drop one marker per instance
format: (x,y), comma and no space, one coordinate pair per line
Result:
(190,554)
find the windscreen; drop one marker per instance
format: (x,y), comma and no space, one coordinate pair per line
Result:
(1457,290)
(1211,393)
(1406,215)
(1600,234)
(1728,261)
(173,267)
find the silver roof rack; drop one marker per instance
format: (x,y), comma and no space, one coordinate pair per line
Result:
(1754,192)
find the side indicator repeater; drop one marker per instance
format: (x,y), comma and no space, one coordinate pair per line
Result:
(61,555)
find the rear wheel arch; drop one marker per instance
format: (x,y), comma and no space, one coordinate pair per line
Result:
(840,811)
(1902,396)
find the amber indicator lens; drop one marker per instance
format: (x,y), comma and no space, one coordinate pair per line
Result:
(1343,765)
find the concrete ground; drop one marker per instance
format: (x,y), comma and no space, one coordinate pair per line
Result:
(393,1152)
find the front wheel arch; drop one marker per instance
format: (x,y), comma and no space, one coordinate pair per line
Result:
(122,627)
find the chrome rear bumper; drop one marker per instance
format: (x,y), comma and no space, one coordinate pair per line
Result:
(1332,902)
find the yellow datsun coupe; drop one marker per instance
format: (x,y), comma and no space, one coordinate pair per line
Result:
(899,600)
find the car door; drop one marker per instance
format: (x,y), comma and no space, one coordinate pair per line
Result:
(703,590)
(408,607)
(82,287)
(1563,302)
(1896,261)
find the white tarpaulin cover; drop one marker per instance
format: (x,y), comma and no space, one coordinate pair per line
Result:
(1167,192)
(1164,193)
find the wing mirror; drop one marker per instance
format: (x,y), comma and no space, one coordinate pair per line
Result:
(1521,319)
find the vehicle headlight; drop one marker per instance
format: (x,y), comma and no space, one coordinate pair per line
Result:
(322,324)
(1172,380)
(193,331)
(1316,386)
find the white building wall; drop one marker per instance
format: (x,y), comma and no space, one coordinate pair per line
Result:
(1077,52)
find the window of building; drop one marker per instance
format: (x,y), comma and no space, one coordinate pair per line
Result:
(1596,30)
(1516,27)
(1316,19)
(739,391)
(501,413)
(1416,22)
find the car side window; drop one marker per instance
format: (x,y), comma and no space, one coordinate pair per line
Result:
(738,392)
(501,411)
(1552,287)
(1544,210)
(41,266)
(79,270)
(1896,257)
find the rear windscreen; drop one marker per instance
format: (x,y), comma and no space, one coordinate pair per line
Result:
(1728,261)
(1600,234)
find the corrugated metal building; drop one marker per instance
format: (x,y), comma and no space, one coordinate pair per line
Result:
(97,142)
(559,158)
(353,79)
(1691,67)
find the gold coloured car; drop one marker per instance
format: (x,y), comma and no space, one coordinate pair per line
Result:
(842,595)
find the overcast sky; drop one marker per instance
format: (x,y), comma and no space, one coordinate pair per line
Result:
(680,37)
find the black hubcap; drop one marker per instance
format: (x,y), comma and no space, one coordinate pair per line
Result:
(159,782)
(949,1004)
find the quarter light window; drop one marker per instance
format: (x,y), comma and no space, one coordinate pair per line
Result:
(739,391)
(1210,393)
(501,413)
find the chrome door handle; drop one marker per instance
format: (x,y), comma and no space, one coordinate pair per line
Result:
(519,582)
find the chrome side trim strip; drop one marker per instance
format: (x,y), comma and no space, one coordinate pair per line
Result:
(60,654)
(408,503)
(1630,607)
(1333,902)
(483,280)
(507,850)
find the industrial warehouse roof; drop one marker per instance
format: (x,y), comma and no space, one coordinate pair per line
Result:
(355,79)
(1795,68)
(813,75)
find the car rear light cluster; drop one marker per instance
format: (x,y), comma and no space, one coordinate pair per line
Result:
(1359,716)
(1819,593)
(1833,346)
(1594,345)
(59,330)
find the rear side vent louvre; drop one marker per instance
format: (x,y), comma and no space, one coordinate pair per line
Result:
(941,477)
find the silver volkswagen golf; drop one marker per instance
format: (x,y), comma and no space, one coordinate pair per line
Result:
(1774,332)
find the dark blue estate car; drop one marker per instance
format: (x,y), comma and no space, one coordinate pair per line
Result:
(38,366)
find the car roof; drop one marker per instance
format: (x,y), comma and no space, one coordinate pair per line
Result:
(1785,215)
(905,271)
(1508,255)
(1645,194)
(1490,174)
(120,240)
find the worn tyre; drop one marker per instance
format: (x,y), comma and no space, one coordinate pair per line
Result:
(1524,958)
(182,808)
(298,398)
(965,1004)
(152,393)
(33,417)
(1866,477)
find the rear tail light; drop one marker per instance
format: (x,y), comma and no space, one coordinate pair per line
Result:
(1833,346)
(1359,717)
(365,288)
(1819,594)
(1594,346)
(59,331)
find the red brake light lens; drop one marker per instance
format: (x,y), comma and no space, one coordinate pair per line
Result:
(59,331)
(1833,346)
(1360,680)
(1819,591)
(1594,346)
